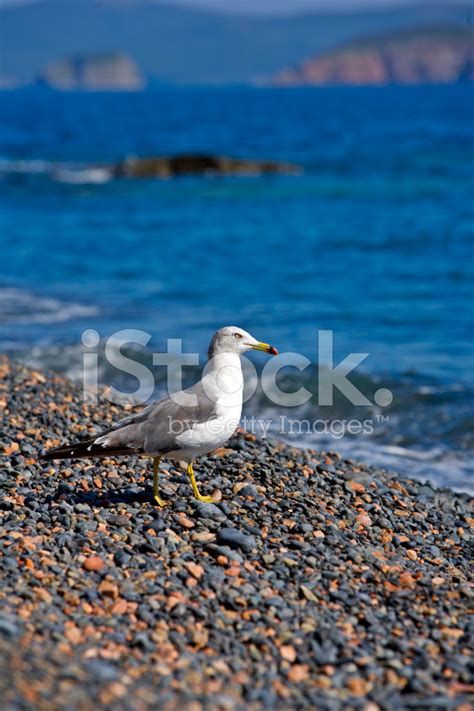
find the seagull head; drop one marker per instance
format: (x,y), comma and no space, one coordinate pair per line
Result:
(232,339)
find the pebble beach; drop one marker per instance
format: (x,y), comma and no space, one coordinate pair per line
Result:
(312,582)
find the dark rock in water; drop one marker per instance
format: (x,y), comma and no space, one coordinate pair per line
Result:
(198,164)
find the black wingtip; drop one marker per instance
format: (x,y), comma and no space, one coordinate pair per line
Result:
(46,457)
(64,452)
(82,450)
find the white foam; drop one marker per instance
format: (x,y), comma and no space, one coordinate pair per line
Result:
(91,176)
(429,455)
(61,172)
(31,167)
(19,306)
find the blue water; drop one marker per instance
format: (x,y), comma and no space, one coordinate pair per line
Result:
(374,241)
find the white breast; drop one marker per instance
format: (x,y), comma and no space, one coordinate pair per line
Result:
(223,384)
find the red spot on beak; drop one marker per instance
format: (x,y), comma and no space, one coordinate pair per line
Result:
(272,351)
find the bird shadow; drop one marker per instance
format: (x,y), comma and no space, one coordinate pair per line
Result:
(126,495)
(107,499)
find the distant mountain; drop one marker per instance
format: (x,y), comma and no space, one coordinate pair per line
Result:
(438,55)
(184,45)
(93,72)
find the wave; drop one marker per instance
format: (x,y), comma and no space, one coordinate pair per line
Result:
(425,433)
(27,167)
(67,173)
(22,307)
(406,443)
(86,176)
(438,464)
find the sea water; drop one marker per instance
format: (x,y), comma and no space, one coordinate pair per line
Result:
(372,241)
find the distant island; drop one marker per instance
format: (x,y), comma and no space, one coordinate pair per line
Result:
(424,56)
(93,72)
(186,43)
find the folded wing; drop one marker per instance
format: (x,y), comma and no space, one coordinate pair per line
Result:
(152,431)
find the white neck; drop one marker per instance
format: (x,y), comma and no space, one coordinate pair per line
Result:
(223,360)
(225,378)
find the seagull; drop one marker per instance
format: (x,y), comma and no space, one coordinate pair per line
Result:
(186,425)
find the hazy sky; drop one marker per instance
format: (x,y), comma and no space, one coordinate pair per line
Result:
(259,6)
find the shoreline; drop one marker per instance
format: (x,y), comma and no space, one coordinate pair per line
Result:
(314,582)
(408,447)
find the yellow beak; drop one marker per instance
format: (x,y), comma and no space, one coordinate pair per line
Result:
(264,347)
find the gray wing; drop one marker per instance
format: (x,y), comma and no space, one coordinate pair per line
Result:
(151,431)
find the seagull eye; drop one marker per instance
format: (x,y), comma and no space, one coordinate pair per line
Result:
(237,335)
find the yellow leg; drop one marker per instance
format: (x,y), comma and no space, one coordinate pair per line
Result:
(156,496)
(204,499)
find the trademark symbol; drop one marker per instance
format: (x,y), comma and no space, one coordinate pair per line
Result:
(382,419)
